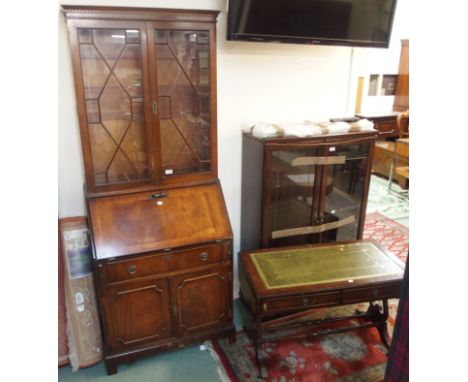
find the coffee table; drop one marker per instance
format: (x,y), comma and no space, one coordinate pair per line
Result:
(279,284)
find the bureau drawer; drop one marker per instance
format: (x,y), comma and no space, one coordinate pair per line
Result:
(371,293)
(152,264)
(280,304)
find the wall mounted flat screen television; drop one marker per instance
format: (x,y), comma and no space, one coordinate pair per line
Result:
(366,23)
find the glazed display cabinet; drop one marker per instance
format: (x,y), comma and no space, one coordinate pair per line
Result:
(145,84)
(304,190)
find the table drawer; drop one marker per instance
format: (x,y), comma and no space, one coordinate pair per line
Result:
(151,264)
(280,304)
(371,293)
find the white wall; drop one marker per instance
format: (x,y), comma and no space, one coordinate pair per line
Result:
(256,81)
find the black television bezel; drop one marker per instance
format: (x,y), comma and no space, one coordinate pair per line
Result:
(231,36)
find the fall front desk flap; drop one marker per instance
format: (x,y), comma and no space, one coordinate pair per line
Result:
(150,221)
(324,264)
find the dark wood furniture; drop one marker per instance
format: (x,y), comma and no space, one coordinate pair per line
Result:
(145,82)
(390,124)
(279,286)
(391,157)
(384,123)
(163,265)
(399,168)
(401,101)
(304,190)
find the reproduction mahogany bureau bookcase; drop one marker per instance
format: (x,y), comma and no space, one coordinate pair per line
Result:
(304,190)
(145,82)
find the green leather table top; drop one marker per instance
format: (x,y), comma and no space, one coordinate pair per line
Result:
(323,264)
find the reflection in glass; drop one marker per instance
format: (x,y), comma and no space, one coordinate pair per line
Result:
(316,194)
(343,202)
(183,100)
(292,192)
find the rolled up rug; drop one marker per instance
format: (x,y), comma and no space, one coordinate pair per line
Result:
(83,329)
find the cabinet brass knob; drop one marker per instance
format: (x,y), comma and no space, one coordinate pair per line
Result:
(204,256)
(132,269)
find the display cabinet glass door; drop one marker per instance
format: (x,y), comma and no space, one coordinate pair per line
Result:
(342,203)
(182,67)
(293,201)
(315,194)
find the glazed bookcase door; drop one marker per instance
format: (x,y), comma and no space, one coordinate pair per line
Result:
(293,184)
(109,62)
(181,73)
(342,201)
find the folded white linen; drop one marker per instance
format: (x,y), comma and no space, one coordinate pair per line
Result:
(305,128)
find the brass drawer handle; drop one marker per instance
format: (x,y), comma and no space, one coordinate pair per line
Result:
(308,301)
(157,196)
(376,292)
(204,256)
(132,269)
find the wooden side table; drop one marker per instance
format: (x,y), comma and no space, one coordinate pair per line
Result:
(279,285)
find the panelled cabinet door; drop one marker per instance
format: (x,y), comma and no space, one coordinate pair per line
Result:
(200,300)
(137,313)
(112,88)
(180,69)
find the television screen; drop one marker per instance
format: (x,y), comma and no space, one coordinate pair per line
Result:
(328,22)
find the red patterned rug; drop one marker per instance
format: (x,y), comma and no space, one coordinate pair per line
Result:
(356,356)
(390,234)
